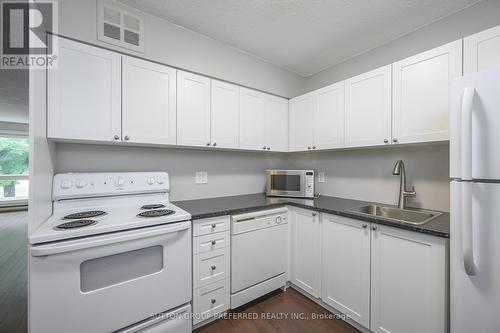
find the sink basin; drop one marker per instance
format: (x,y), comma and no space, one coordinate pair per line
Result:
(415,217)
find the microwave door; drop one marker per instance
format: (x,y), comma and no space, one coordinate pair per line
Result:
(286,184)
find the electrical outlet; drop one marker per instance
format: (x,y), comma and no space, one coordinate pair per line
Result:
(201,177)
(321,177)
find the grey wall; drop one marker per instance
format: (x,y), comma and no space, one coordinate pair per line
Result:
(366,174)
(229,173)
(484,15)
(173,45)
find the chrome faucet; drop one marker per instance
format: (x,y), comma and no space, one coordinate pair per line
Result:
(399,169)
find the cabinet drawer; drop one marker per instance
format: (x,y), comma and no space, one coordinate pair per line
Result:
(211,242)
(211,225)
(210,267)
(210,300)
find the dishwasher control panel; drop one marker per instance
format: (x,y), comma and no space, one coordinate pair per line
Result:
(258,220)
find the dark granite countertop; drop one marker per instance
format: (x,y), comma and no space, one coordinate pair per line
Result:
(204,208)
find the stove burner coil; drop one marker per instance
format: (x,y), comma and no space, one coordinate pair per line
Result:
(75,224)
(84,215)
(153,206)
(156,213)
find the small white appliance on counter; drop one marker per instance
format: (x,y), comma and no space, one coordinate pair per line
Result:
(475,203)
(290,183)
(115,256)
(259,254)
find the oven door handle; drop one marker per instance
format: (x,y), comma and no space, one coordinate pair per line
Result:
(82,244)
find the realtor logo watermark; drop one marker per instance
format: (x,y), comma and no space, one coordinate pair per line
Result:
(25,43)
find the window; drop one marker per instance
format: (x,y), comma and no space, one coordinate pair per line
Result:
(13,170)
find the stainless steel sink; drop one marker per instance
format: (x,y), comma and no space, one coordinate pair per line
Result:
(410,216)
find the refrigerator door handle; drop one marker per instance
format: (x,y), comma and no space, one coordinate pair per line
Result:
(466,133)
(467,232)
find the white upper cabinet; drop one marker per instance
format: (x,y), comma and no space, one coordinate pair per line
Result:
(329,117)
(306,251)
(276,123)
(225,115)
(193,109)
(84,100)
(368,108)
(148,102)
(252,118)
(482,51)
(408,282)
(345,283)
(301,122)
(421,94)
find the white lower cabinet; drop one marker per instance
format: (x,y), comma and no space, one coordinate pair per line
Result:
(346,266)
(211,267)
(306,251)
(408,286)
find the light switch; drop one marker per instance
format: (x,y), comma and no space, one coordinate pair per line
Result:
(321,177)
(201,177)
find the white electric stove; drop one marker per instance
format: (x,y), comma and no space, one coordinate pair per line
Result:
(114,256)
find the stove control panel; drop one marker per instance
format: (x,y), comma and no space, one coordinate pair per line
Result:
(80,185)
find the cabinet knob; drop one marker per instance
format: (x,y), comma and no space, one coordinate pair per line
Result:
(386,141)
(264,147)
(213,226)
(313,214)
(213,267)
(314,147)
(309,148)
(116,137)
(208,143)
(364,226)
(126,138)
(394,140)
(213,300)
(374,227)
(213,242)
(268,148)
(214,144)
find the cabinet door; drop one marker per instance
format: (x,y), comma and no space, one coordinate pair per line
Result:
(225,115)
(368,108)
(301,130)
(306,251)
(276,123)
(84,100)
(252,132)
(421,86)
(329,116)
(482,51)
(148,102)
(193,109)
(408,289)
(346,267)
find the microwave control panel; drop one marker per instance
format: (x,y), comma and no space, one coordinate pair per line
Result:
(309,192)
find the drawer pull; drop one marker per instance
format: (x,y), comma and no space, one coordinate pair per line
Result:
(213,267)
(214,226)
(213,242)
(213,300)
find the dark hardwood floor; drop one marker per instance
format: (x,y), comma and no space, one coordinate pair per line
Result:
(274,313)
(13,267)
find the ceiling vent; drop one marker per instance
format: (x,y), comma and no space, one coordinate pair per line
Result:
(119,27)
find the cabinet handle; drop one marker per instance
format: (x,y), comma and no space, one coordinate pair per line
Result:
(213,242)
(215,144)
(126,138)
(116,137)
(386,141)
(213,300)
(213,226)
(364,226)
(395,140)
(374,227)
(208,144)
(213,267)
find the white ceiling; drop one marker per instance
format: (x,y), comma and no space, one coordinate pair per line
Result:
(303,36)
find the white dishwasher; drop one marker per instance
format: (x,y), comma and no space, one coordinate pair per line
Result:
(259,254)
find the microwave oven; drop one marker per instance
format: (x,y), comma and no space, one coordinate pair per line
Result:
(290,183)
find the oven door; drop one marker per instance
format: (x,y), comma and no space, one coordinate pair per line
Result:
(108,282)
(285,183)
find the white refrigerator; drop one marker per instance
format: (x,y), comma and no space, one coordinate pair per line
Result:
(475,203)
